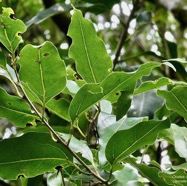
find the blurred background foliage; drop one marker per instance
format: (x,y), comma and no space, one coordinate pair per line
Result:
(134,32)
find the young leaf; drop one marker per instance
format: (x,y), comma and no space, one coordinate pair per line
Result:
(150,85)
(90,94)
(88,50)
(15,109)
(30,155)
(42,72)
(151,173)
(125,142)
(10,30)
(176,99)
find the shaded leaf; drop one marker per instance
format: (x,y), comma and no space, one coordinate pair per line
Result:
(176,100)
(150,85)
(47,13)
(151,173)
(145,105)
(42,72)
(10,30)
(15,109)
(90,94)
(145,133)
(30,155)
(86,50)
(59,107)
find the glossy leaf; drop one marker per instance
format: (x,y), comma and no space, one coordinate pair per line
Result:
(151,173)
(10,30)
(180,140)
(108,132)
(86,50)
(90,94)
(125,142)
(30,155)
(59,107)
(176,100)
(42,72)
(150,85)
(16,110)
(47,13)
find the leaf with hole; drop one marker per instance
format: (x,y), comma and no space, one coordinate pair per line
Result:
(86,50)
(30,155)
(10,30)
(90,94)
(42,72)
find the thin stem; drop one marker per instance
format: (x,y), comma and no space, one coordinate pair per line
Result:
(59,139)
(125,32)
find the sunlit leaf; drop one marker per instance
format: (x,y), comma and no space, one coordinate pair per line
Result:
(90,94)
(145,133)
(42,72)
(15,109)
(10,30)
(86,50)
(30,155)
(176,99)
(150,85)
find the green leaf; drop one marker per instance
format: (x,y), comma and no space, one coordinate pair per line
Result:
(15,109)
(10,30)
(151,173)
(30,155)
(88,50)
(124,103)
(180,140)
(180,60)
(176,100)
(90,94)
(59,107)
(108,132)
(177,178)
(42,72)
(150,85)
(3,60)
(145,133)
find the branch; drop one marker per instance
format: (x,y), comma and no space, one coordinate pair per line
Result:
(124,35)
(55,134)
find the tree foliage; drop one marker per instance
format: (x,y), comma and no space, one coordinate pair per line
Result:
(92,93)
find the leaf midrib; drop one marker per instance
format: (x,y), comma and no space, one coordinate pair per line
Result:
(30,160)
(86,51)
(133,143)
